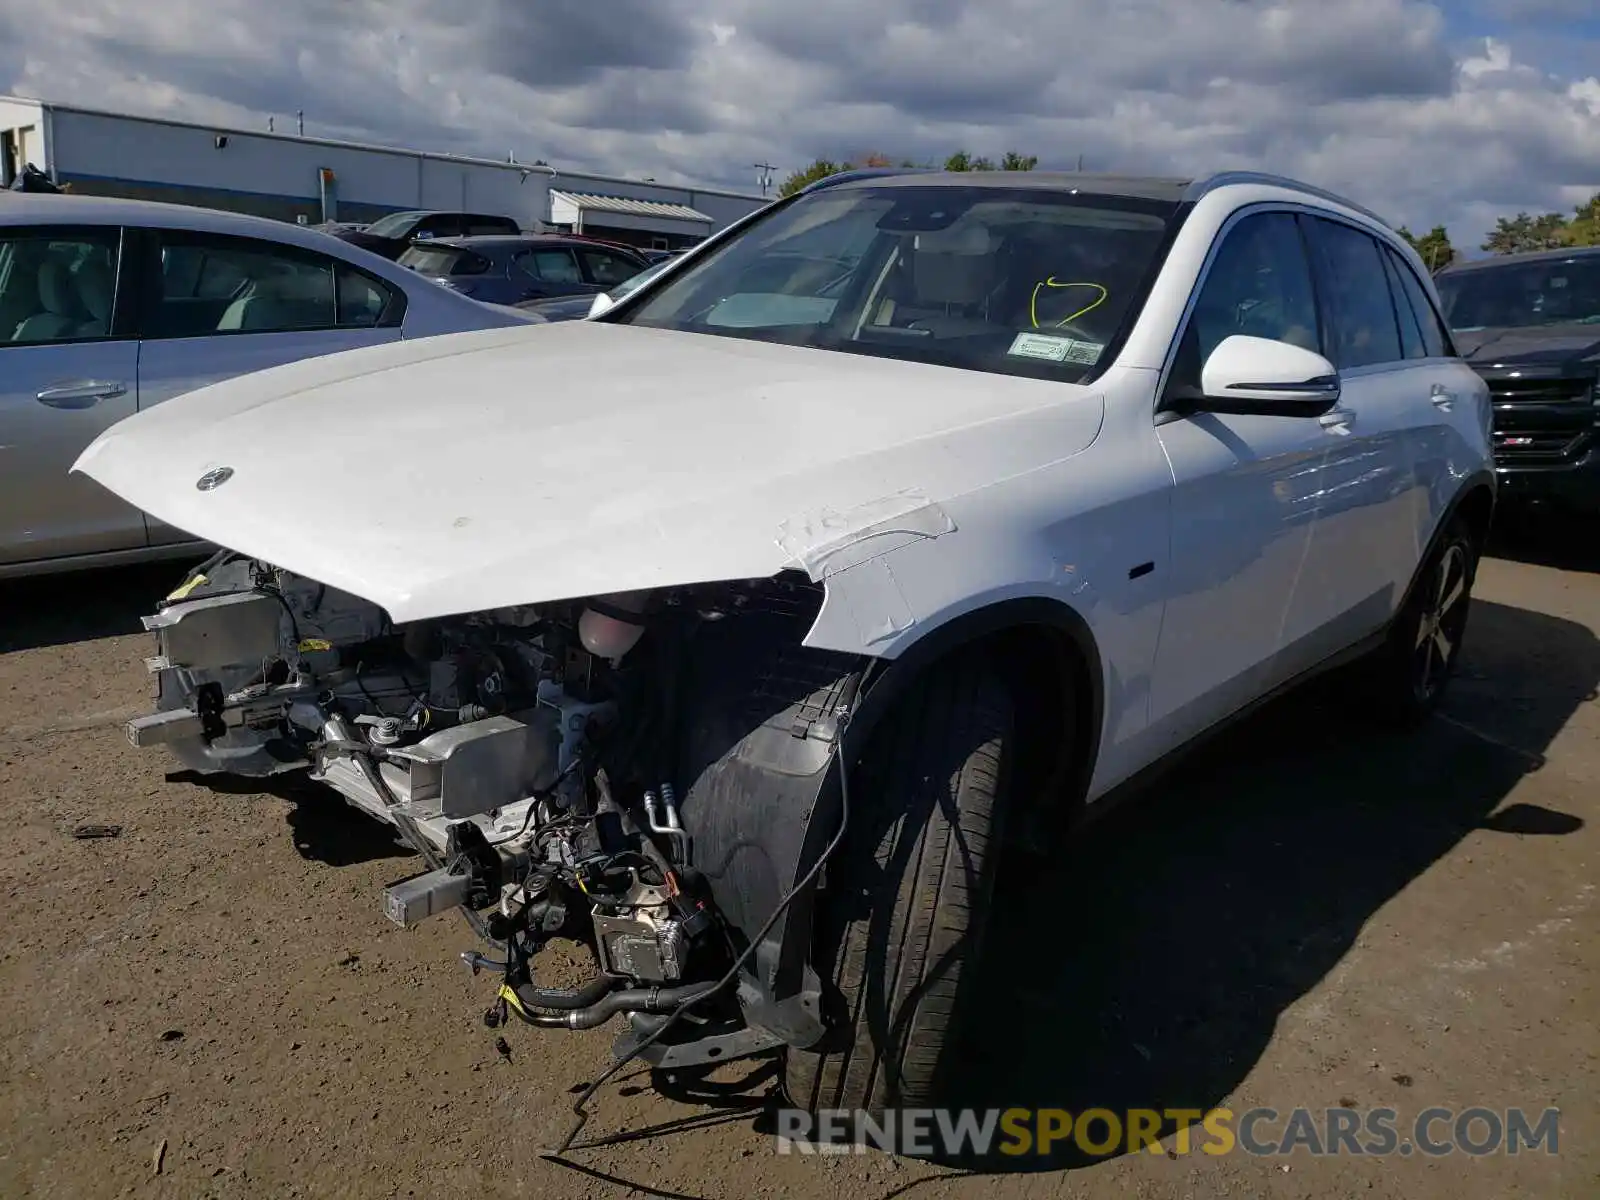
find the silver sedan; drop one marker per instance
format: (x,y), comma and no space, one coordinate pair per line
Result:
(108,307)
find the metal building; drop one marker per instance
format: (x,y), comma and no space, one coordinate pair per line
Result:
(292,177)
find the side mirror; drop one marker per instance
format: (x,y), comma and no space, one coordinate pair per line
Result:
(1260,376)
(599,304)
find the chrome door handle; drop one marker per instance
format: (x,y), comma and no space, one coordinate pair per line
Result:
(1442,397)
(81,393)
(1339,419)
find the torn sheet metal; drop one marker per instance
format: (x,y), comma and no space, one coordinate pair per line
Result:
(827,540)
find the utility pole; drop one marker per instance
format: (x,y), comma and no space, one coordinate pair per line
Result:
(765,177)
(300,121)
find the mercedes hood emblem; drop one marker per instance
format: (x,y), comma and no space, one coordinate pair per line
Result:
(214,478)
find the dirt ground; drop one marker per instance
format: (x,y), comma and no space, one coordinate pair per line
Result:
(1304,914)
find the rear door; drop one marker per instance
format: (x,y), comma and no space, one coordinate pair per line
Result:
(219,306)
(68,371)
(1457,397)
(552,271)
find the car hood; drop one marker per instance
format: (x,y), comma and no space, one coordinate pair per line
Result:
(1544,346)
(518,466)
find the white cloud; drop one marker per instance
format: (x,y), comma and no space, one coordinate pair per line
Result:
(1378,98)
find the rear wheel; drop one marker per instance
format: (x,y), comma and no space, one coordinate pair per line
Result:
(1407,677)
(900,926)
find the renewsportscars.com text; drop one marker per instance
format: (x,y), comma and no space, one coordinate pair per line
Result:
(1431,1132)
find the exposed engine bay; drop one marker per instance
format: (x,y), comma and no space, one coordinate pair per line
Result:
(643,773)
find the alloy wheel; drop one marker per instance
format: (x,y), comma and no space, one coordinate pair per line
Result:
(1441,623)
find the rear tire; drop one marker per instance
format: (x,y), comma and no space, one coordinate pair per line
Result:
(1407,677)
(899,929)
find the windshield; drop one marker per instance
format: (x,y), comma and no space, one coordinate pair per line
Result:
(443,260)
(1520,295)
(393,225)
(1016,281)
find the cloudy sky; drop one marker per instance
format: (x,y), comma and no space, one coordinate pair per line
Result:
(1454,111)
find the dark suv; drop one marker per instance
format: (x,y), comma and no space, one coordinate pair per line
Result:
(508,270)
(1530,325)
(391,235)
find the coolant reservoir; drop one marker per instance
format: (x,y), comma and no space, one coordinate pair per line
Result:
(605,628)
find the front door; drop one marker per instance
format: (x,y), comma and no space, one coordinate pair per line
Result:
(1247,494)
(67,373)
(1365,547)
(227,306)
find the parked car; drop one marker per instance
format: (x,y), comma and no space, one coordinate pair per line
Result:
(571,308)
(1530,325)
(911,520)
(390,236)
(110,307)
(510,270)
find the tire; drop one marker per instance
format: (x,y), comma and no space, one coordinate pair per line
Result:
(1407,677)
(899,930)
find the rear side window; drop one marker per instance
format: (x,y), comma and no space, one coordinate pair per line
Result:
(1365,331)
(443,260)
(214,284)
(1411,343)
(606,268)
(57,286)
(550,266)
(477,226)
(1435,339)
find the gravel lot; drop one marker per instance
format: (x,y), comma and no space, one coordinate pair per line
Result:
(1302,915)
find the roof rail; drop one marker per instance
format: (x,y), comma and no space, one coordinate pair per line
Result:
(838,177)
(1201,187)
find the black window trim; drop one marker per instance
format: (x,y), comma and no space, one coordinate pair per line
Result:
(122,327)
(150,295)
(1385,240)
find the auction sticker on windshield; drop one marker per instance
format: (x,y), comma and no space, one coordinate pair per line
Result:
(1052,348)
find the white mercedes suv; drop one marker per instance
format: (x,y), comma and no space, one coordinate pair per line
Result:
(735,631)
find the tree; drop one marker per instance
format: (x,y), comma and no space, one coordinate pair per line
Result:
(962,161)
(1433,247)
(820,169)
(1512,235)
(1584,228)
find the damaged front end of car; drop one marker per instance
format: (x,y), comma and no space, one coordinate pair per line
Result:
(650,774)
